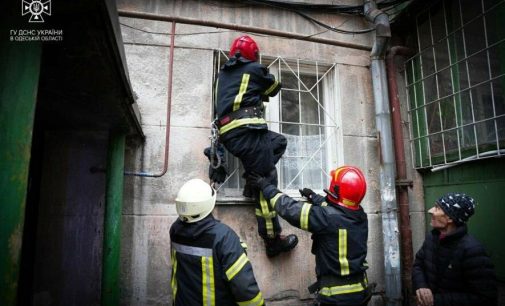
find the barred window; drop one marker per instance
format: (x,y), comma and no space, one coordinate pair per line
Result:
(455,83)
(304,112)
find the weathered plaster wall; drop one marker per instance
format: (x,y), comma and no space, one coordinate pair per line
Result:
(233,13)
(149,203)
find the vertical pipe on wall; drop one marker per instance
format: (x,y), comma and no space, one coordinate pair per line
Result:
(387,163)
(401,170)
(19,78)
(112,220)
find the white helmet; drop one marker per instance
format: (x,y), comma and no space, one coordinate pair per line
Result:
(195,201)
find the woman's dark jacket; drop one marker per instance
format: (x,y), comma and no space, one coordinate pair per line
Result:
(457,270)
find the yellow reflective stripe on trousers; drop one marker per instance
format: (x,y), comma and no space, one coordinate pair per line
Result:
(236,267)
(173,281)
(343,289)
(256,301)
(273,200)
(241,91)
(208,290)
(266,215)
(304,216)
(342,252)
(270,215)
(239,122)
(271,88)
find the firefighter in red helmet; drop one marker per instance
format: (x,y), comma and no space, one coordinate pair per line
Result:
(347,187)
(242,86)
(247,48)
(339,230)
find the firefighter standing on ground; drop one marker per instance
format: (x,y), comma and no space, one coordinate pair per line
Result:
(243,84)
(339,230)
(209,265)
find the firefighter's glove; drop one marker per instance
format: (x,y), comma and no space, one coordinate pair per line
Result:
(217,174)
(258,181)
(307,193)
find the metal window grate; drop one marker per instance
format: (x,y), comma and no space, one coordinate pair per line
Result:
(456,83)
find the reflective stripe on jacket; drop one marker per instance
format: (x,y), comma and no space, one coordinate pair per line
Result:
(210,267)
(339,240)
(243,83)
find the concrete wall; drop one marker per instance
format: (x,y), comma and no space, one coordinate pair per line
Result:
(149,202)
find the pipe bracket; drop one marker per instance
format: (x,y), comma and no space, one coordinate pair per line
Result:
(404,183)
(372,14)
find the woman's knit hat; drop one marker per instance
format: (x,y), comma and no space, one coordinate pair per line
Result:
(458,206)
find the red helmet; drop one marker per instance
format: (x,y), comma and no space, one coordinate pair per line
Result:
(246,46)
(347,187)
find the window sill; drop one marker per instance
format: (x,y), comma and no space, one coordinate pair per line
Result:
(222,201)
(240,200)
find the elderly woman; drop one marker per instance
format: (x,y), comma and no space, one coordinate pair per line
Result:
(452,267)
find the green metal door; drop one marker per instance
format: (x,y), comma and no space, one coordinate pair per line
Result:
(19,78)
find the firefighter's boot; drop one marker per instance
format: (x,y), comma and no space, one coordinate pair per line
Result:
(281,243)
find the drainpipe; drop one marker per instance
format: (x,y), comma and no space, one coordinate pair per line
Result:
(387,166)
(112,220)
(402,183)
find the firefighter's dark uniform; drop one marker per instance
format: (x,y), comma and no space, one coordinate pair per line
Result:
(241,88)
(210,267)
(339,244)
